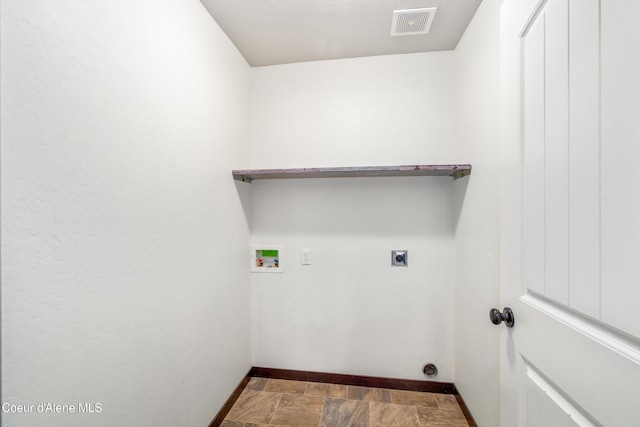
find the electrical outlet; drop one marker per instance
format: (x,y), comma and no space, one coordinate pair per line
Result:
(399,258)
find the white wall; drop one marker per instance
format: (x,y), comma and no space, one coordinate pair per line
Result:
(122,232)
(477,230)
(124,241)
(350,311)
(396,109)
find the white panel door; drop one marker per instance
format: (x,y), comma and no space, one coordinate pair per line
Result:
(570,237)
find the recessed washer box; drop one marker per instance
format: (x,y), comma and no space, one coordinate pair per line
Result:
(266,259)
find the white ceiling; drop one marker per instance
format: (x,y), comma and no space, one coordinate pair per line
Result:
(269,32)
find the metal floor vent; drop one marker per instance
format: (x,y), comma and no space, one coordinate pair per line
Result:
(410,22)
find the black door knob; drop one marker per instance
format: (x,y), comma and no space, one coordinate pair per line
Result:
(506,316)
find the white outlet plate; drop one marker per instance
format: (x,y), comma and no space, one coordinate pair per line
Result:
(305,256)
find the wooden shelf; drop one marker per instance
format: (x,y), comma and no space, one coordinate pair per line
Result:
(455,171)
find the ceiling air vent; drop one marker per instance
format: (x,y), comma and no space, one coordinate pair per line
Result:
(410,22)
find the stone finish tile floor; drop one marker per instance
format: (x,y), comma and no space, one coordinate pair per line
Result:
(283,403)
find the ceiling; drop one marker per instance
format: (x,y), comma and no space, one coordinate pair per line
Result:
(269,32)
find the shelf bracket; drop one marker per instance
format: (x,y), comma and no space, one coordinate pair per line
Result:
(461,173)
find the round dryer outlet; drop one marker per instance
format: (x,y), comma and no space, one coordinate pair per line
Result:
(430,370)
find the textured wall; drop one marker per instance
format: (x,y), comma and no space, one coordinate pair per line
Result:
(350,311)
(386,110)
(477,227)
(121,227)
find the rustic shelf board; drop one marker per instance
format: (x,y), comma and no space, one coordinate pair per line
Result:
(455,171)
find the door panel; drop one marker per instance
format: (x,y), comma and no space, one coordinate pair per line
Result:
(534,184)
(583,358)
(584,156)
(558,187)
(556,146)
(570,238)
(620,158)
(549,406)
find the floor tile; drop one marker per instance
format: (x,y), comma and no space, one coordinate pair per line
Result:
(447,401)
(286,386)
(369,394)
(414,398)
(391,415)
(430,417)
(254,407)
(239,424)
(327,390)
(298,411)
(257,384)
(345,413)
(283,403)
